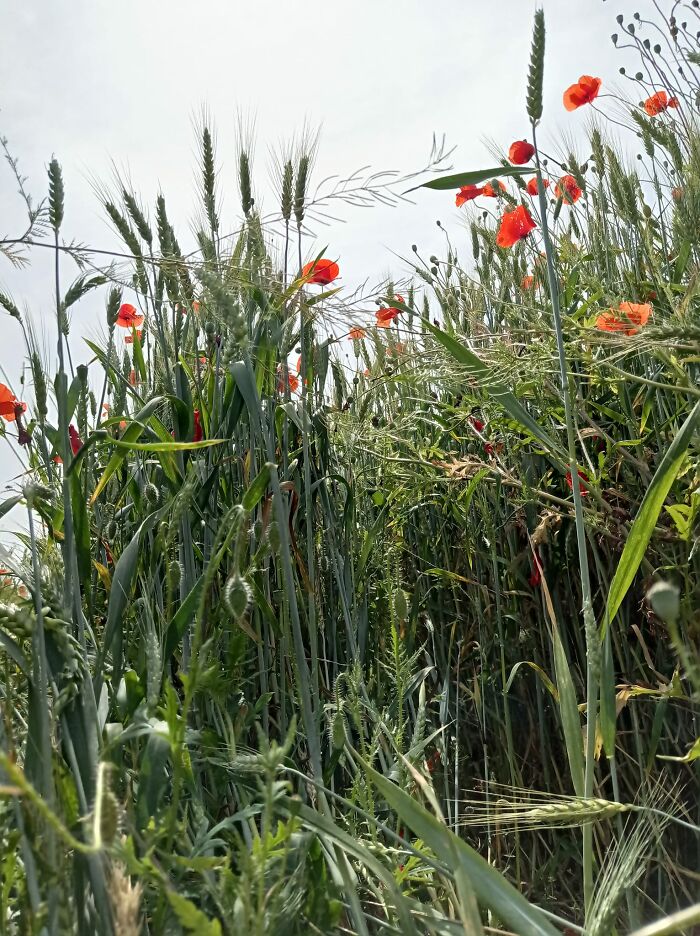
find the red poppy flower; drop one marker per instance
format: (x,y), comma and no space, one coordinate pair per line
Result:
(385,317)
(583,477)
(658,103)
(321,272)
(585,91)
(467,193)
(528,282)
(10,406)
(674,102)
(133,379)
(129,339)
(515,225)
(128,316)
(490,191)
(198,432)
(195,306)
(489,449)
(292,381)
(567,188)
(357,334)
(531,186)
(477,423)
(633,315)
(76,443)
(365,372)
(521,152)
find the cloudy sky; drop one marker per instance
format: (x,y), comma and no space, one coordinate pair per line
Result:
(100,83)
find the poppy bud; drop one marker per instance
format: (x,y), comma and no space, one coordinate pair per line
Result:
(338,731)
(614,39)
(151,494)
(174,575)
(414,248)
(237,595)
(622,70)
(619,18)
(434,259)
(664,599)
(401,604)
(657,48)
(434,270)
(273,537)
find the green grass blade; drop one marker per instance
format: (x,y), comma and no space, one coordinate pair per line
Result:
(491,888)
(645,521)
(459,179)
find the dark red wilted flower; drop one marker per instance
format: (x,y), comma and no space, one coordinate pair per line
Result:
(515,225)
(198,432)
(76,443)
(490,191)
(321,272)
(583,477)
(568,189)
(10,406)
(467,193)
(531,187)
(128,316)
(521,152)
(434,761)
(489,449)
(477,423)
(585,91)
(536,574)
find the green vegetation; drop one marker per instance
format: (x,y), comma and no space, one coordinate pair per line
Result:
(328,621)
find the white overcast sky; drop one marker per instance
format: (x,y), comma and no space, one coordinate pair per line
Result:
(95,82)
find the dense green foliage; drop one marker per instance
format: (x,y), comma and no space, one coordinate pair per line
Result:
(407,643)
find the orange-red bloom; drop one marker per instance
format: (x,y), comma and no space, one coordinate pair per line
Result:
(585,91)
(129,339)
(531,186)
(321,272)
(528,282)
(10,406)
(292,381)
(567,188)
(521,152)
(658,103)
(357,334)
(627,320)
(467,193)
(133,379)
(490,191)
(128,316)
(514,226)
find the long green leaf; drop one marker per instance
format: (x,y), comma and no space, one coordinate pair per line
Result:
(458,179)
(491,888)
(131,434)
(489,382)
(645,521)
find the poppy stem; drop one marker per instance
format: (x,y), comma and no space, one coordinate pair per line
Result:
(591,634)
